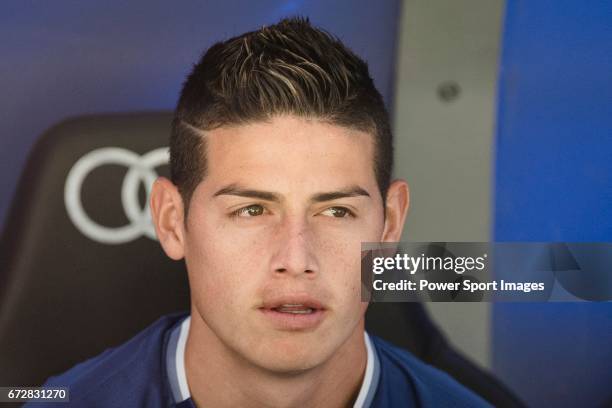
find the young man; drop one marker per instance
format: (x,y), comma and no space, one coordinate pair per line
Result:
(281,157)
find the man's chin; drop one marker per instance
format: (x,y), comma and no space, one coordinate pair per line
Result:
(291,358)
(289,365)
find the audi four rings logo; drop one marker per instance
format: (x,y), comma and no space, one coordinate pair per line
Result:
(141,169)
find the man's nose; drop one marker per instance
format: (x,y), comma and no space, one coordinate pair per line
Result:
(294,254)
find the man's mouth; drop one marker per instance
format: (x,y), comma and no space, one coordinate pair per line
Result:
(293,312)
(294,308)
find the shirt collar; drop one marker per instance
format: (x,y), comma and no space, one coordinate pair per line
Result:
(175,361)
(175,365)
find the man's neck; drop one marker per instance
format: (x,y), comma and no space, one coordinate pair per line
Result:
(218,377)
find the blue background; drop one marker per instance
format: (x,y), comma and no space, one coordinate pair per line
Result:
(553,182)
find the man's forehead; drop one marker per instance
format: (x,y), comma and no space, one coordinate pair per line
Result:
(289,156)
(288,139)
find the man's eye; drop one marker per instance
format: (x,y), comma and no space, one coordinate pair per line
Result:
(338,212)
(250,211)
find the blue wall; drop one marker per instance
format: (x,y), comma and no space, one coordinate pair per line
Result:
(64,58)
(554,183)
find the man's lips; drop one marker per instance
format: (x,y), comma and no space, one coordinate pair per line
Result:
(293,312)
(292,303)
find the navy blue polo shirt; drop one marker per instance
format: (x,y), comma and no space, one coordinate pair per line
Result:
(148,371)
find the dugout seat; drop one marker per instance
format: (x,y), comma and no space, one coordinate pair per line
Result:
(80,271)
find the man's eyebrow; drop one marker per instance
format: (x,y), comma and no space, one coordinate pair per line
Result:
(235,190)
(354,191)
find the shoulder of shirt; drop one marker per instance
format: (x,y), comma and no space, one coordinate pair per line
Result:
(119,372)
(431,386)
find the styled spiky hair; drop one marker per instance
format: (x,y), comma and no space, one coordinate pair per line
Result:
(287,68)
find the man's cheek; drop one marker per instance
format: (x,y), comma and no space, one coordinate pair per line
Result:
(241,245)
(343,271)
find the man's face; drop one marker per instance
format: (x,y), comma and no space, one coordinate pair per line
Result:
(272,239)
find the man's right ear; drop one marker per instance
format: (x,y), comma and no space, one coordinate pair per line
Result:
(168,217)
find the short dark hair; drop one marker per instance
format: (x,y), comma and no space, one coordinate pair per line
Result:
(287,68)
